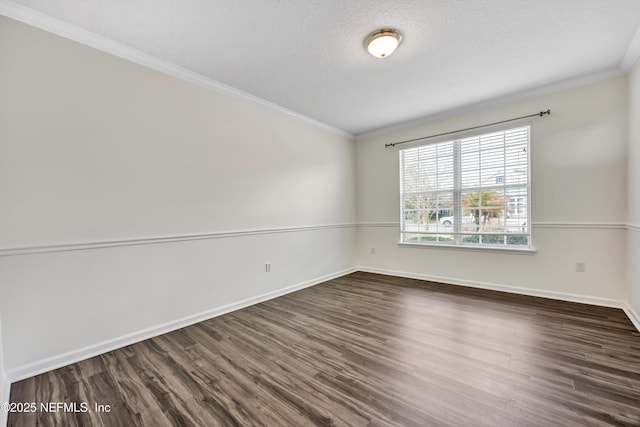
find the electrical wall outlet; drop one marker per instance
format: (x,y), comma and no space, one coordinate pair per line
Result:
(373,251)
(267,267)
(580,266)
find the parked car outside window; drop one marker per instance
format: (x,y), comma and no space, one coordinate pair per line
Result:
(448,220)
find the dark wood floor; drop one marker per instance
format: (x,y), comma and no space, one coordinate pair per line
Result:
(361,350)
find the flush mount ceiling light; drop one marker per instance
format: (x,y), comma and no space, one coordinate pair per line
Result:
(383,43)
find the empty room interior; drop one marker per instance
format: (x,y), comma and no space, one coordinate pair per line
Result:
(360,213)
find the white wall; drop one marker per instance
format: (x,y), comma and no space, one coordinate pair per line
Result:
(4,383)
(633,251)
(578,201)
(97,149)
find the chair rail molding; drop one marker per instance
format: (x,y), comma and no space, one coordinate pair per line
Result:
(78,246)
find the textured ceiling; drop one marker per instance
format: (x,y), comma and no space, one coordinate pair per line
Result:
(308,56)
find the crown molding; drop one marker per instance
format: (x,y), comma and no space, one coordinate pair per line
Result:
(44,22)
(71,32)
(632,54)
(512,98)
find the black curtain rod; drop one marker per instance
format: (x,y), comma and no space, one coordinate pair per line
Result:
(540,114)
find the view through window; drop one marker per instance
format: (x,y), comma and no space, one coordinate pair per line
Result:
(471,191)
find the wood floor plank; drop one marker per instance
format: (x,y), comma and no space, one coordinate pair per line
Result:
(364,350)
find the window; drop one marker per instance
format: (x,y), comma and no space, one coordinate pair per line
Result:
(471,191)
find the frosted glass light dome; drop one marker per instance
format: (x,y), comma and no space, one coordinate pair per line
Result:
(383,43)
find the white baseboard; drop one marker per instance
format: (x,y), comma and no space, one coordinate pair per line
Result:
(5,390)
(632,315)
(584,299)
(45,365)
(55,362)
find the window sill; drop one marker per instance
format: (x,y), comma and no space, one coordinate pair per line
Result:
(518,251)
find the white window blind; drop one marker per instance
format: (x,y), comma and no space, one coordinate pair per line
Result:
(471,191)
